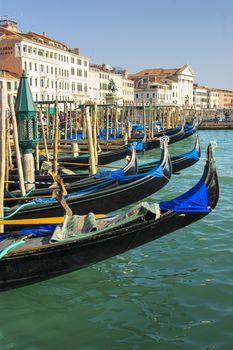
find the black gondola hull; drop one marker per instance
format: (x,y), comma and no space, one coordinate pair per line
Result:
(43,260)
(61,259)
(103,202)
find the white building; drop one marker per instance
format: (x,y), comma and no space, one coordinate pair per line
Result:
(213,98)
(200,97)
(9,82)
(54,70)
(179,79)
(158,93)
(124,86)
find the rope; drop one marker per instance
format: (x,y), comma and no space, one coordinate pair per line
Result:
(11,246)
(26,194)
(14,212)
(31,183)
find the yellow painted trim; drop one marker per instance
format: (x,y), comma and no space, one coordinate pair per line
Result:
(40,221)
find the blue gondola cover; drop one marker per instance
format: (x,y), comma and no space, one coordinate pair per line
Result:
(195,200)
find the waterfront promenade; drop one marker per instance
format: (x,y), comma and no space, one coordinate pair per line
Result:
(216,126)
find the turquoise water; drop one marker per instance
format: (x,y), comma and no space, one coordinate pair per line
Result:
(173,293)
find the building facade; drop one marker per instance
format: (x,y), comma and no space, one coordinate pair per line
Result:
(200,97)
(53,69)
(225,98)
(104,74)
(159,93)
(213,98)
(9,82)
(180,81)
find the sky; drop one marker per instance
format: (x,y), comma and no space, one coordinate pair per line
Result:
(139,34)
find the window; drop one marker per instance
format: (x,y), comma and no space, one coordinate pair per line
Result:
(85,74)
(79,72)
(8,85)
(35,81)
(18,50)
(72,59)
(79,62)
(25,65)
(79,87)
(85,63)
(35,67)
(136,95)
(16,85)
(51,70)
(30,81)
(42,83)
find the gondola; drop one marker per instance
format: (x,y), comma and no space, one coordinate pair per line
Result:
(179,162)
(82,242)
(155,142)
(82,161)
(103,159)
(101,198)
(99,179)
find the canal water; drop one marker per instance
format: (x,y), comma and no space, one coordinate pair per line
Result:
(173,293)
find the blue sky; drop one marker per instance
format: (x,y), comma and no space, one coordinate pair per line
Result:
(137,34)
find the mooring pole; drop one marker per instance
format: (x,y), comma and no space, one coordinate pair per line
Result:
(2,151)
(92,165)
(17,149)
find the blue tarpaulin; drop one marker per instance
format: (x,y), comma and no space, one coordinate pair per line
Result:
(195,200)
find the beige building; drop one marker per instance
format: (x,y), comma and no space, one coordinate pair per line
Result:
(53,69)
(124,86)
(179,79)
(225,98)
(9,82)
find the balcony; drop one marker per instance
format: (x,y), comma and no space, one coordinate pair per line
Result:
(37,57)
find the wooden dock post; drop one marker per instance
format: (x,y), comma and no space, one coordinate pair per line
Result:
(143,114)
(92,165)
(107,124)
(66,119)
(55,141)
(2,152)
(94,125)
(43,134)
(17,149)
